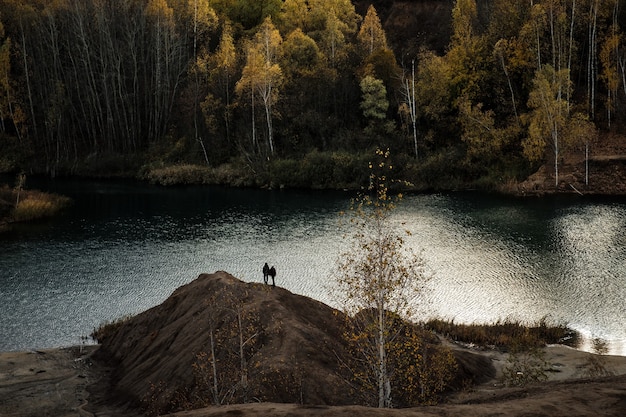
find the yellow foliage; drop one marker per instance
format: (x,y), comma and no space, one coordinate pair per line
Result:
(372,36)
(38,205)
(376,278)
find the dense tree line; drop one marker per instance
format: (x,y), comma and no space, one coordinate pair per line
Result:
(213,81)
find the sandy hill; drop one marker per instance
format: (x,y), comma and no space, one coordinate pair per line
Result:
(291,345)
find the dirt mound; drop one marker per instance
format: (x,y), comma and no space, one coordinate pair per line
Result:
(290,346)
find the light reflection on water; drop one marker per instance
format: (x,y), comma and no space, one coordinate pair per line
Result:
(124,248)
(499,264)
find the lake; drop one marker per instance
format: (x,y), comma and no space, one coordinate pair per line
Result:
(125,246)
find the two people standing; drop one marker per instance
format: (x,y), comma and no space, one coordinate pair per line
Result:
(269,272)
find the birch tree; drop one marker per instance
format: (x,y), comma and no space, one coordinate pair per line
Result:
(168,63)
(409,107)
(223,63)
(202,20)
(549,115)
(581,131)
(592,56)
(610,58)
(499,51)
(262,74)
(376,279)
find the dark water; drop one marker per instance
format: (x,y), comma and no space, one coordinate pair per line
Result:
(124,247)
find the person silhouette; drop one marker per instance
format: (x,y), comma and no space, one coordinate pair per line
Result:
(272,274)
(266,272)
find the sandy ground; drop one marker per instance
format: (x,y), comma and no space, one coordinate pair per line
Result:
(52,383)
(47,382)
(65,382)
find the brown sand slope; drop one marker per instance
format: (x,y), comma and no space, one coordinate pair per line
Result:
(292,350)
(296,353)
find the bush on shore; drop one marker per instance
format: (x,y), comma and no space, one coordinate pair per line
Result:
(506,335)
(32,205)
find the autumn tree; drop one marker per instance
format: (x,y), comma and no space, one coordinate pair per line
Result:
(342,10)
(465,57)
(5,83)
(582,132)
(434,103)
(374,104)
(166,63)
(301,57)
(479,131)
(222,370)
(262,75)
(512,56)
(421,365)
(202,20)
(610,59)
(294,14)
(377,278)
(223,65)
(307,92)
(372,35)
(335,28)
(549,116)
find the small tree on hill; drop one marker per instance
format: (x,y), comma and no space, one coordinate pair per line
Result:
(19,186)
(376,280)
(222,371)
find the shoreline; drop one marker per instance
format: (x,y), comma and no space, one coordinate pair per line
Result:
(537,185)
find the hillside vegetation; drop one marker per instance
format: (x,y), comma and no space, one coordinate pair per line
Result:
(296,93)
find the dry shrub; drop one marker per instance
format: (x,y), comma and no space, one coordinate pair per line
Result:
(596,365)
(506,334)
(108,328)
(38,205)
(525,365)
(421,368)
(179,174)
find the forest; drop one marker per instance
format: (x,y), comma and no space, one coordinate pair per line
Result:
(299,93)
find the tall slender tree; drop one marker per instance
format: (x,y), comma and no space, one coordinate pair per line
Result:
(549,115)
(262,74)
(224,64)
(409,95)
(377,278)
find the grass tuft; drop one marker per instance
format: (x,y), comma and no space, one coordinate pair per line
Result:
(185,174)
(108,328)
(32,205)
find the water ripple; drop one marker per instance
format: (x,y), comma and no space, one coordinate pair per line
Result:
(488,258)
